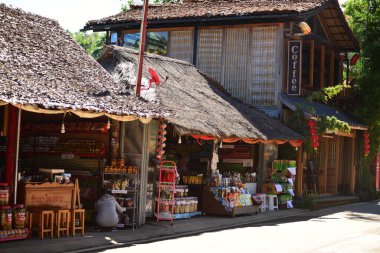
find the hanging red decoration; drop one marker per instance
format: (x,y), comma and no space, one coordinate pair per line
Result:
(313,134)
(161,141)
(366,144)
(354,59)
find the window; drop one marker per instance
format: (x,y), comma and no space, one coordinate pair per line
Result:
(157,42)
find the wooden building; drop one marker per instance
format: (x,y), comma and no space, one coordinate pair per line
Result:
(248,47)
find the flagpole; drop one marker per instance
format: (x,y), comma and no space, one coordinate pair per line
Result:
(142,47)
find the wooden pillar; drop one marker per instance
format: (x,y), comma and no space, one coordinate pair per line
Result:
(299,175)
(352,166)
(311,69)
(322,69)
(331,74)
(5,120)
(11,149)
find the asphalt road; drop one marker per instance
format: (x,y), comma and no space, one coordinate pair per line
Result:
(354,228)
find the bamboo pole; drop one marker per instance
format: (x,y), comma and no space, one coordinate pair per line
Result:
(142,47)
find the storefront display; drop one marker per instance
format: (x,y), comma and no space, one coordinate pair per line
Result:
(122,181)
(12,219)
(282,182)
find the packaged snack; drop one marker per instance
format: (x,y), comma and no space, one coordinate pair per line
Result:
(6,217)
(18,216)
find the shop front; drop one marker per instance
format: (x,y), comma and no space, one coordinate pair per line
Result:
(223,151)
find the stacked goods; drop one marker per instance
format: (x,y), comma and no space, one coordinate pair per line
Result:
(12,218)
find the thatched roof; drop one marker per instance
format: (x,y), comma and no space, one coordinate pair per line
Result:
(213,8)
(200,105)
(41,65)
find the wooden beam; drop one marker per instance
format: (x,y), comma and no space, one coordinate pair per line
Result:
(325,165)
(337,164)
(344,134)
(322,69)
(299,174)
(311,69)
(331,72)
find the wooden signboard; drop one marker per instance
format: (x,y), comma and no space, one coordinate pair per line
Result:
(294,67)
(49,195)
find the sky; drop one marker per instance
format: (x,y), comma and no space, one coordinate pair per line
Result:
(71,14)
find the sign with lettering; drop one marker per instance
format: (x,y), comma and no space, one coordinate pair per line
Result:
(294,67)
(49,195)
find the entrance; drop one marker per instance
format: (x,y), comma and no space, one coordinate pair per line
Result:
(334,165)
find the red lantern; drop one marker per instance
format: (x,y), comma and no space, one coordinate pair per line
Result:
(314,138)
(311,123)
(312,131)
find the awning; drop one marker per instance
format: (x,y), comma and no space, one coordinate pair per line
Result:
(292,102)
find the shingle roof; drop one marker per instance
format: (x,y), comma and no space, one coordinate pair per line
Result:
(212,8)
(41,65)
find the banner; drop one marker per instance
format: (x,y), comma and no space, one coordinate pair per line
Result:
(294,67)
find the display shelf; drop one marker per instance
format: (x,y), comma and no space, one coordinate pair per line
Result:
(131,192)
(119,191)
(25,154)
(164,168)
(27,233)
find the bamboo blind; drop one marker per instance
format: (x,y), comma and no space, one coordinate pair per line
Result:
(209,55)
(181,45)
(263,66)
(236,63)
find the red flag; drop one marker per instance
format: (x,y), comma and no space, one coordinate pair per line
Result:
(153,77)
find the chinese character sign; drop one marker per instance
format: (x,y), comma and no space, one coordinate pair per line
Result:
(294,67)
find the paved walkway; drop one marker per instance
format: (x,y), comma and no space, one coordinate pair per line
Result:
(97,241)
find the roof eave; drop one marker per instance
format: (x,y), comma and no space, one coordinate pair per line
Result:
(273,17)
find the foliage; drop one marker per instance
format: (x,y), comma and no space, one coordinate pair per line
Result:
(309,201)
(327,93)
(332,124)
(92,43)
(364,19)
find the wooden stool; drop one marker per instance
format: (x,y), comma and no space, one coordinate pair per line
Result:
(46,220)
(63,222)
(74,227)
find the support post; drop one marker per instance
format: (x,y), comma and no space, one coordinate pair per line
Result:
(11,150)
(352,166)
(6,120)
(17,156)
(311,69)
(299,174)
(332,61)
(322,74)
(142,47)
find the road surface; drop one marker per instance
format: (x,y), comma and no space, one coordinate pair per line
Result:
(349,229)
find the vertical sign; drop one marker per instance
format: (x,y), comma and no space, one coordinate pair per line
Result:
(294,67)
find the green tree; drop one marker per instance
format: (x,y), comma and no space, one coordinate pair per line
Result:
(364,19)
(92,43)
